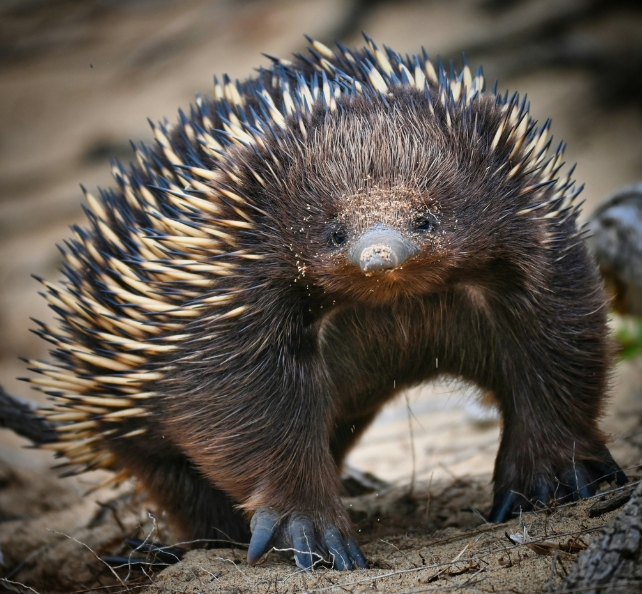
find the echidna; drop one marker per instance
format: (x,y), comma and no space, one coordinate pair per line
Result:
(292,254)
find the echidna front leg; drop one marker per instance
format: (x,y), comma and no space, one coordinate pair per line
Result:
(298,531)
(302,511)
(570,481)
(550,380)
(262,435)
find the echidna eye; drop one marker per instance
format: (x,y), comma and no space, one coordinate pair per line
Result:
(338,237)
(424,223)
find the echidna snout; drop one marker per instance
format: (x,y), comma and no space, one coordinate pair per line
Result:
(380,249)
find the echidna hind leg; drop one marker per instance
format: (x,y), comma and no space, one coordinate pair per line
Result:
(199,509)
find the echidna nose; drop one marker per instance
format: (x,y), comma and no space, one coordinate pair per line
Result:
(380,249)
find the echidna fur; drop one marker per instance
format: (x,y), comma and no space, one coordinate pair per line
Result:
(199,303)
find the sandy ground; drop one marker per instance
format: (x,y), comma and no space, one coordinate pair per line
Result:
(76,81)
(478,560)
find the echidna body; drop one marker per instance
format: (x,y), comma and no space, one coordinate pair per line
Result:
(295,252)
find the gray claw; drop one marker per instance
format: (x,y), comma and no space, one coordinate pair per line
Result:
(338,554)
(355,552)
(263,527)
(502,507)
(303,542)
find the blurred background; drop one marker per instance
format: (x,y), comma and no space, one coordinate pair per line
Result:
(79,78)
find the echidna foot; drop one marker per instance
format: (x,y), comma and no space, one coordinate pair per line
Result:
(578,480)
(312,546)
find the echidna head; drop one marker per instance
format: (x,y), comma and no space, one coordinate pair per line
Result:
(382,199)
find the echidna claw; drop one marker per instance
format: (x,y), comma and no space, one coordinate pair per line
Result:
(337,550)
(358,558)
(304,543)
(502,507)
(263,524)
